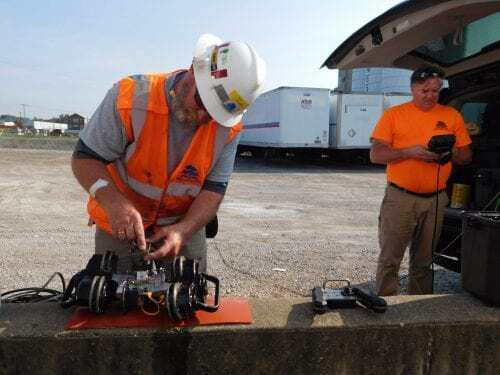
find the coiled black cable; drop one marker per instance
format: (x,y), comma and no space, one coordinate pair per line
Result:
(35,294)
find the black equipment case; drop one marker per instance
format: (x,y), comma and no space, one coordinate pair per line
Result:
(481,255)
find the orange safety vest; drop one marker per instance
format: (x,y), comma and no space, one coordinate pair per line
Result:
(141,173)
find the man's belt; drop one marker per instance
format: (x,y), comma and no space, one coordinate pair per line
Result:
(422,195)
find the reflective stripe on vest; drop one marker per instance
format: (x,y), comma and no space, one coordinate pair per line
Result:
(141,174)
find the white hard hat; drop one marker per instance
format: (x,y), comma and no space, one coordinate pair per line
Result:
(229,77)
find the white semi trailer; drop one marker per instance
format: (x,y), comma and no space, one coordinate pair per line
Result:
(289,117)
(313,120)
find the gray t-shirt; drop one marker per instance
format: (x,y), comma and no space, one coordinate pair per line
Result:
(105,135)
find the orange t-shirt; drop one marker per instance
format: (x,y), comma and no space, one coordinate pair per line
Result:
(405,125)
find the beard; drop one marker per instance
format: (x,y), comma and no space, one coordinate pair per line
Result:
(185,116)
(182,113)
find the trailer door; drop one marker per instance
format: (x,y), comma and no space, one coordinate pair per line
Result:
(360,113)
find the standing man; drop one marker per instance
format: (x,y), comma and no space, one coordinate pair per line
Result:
(407,214)
(157,155)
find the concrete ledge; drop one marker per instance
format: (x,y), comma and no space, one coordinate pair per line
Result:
(440,334)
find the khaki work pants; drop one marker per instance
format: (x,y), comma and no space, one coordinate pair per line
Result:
(404,220)
(195,248)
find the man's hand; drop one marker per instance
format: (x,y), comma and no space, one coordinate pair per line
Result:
(444,158)
(383,153)
(420,152)
(125,220)
(173,237)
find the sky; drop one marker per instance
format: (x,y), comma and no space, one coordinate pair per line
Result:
(61,56)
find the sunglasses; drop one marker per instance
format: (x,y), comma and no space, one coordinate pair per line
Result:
(198,101)
(424,75)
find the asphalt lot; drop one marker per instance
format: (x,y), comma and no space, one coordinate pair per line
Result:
(284,225)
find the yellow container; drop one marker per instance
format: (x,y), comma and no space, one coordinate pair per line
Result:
(460,196)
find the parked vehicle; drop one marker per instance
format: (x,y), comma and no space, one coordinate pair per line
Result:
(288,117)
(313,120)
(353,116)
(462,37)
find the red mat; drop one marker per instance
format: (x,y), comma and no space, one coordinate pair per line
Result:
(231,311)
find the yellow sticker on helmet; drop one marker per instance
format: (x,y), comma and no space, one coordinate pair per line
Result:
(213,60)
(242,103)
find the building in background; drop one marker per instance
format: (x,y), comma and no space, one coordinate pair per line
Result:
(76,122)
(50,128)
(379,80)
(11,127)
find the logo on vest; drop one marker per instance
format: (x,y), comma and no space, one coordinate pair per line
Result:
(189,173)
(440,125)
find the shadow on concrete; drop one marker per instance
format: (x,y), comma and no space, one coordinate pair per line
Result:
(401,310)
(445,289)
(260,165)
(445,282)
(300,315)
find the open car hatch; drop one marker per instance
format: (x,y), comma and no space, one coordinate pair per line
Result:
(455,35)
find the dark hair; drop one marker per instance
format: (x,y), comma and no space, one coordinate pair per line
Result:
(424,73)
